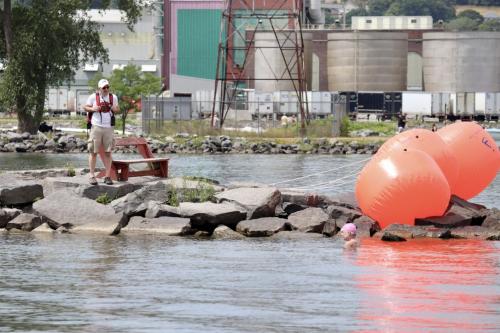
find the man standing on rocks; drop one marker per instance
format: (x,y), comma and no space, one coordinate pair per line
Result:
(101,107)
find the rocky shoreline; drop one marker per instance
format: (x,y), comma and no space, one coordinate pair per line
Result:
(184,143)
(51,201)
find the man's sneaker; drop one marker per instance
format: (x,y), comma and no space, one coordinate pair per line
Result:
(108,181)
(92,181)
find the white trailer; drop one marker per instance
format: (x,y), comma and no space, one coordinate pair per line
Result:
(261,103)
(320,103)
(58,101)
(417,103)
(286,102)
(465,104)
(480,104)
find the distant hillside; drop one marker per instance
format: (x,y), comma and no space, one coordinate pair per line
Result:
(483,10)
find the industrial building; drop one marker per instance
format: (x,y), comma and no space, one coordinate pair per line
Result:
(369,66)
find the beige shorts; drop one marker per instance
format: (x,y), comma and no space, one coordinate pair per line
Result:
(100,136)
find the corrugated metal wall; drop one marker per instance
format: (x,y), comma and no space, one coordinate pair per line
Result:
(198,37)
(175,6)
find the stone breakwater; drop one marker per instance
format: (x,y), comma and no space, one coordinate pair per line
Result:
(48,201)
(188,144)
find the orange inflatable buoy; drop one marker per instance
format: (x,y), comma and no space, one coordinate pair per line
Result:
(401,186)
(428,142)
(477,157)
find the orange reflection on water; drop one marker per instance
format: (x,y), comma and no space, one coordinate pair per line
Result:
(429,286)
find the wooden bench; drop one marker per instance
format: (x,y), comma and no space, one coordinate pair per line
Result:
(120,169)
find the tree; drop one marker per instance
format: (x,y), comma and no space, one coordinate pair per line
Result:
(472,14)
(43,43)
(355,12)
(462,24)
(490,25)
(129,84)
(379,7)
(438,9)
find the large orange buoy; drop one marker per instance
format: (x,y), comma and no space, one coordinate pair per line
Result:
(402,186)
(477,156)
(430,143)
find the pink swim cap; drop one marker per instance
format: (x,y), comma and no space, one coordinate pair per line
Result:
(349,227)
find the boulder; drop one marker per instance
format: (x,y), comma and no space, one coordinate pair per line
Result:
(404,231)
(365,226)
(492,221)
(65,208)
(43,228)
(258,202)
(336,211)
(308,220)
(25,222)
(155,209)
(475,232)
(296,235)
(8,214)
(80,185)
(134,203)
(262,227)
(456,216)
(290,207)
(208,215)
(224,232)
(17,192)
(302,198)
(172,226)
(108,226)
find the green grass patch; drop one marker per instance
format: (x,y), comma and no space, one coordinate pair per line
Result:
(104,199)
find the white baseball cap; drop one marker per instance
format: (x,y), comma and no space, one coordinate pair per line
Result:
(102,83)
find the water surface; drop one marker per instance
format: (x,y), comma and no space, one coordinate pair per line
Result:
(77,283)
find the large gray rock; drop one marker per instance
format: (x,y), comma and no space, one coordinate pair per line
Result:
(403,231)
(308,220)
(456,216)
(208,215)
(8,214)
(43,228)
(134,203)
(365,226)
(302,198)
(172,226)
(18,192)
(155,209)
(337,211)
(296,235)
(263,227)
(223,232)
(492,221)
(258,202)
(80,185)
(65,208)
(25,222)
(475,232)
(110,226)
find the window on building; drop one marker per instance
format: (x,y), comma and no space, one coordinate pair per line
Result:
(148,68)
(413,21)
(91,67)
(368,21)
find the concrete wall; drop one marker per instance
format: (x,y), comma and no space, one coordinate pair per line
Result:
(461,61)
(367,61)
(269,63)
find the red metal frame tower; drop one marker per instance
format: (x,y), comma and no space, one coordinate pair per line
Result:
(241,21)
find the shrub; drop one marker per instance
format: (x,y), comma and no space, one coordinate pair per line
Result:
(103,199)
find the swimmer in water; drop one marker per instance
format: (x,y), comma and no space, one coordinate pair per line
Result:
(348,232)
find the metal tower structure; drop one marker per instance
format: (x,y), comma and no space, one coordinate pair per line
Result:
(239,44)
